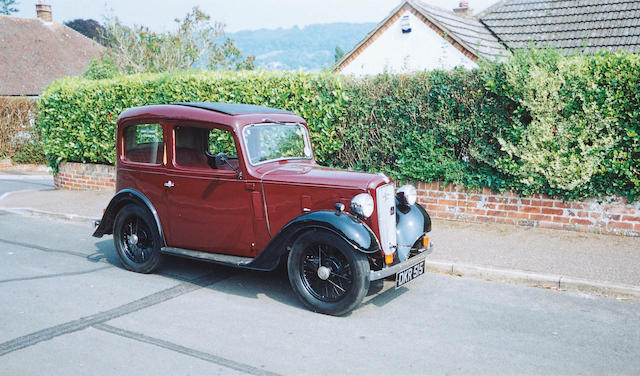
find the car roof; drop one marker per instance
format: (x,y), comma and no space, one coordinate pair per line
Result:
(234,108)
(189,112)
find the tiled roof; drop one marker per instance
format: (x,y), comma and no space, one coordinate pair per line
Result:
(468,31)
(465,33)
(33,53)
(571,25)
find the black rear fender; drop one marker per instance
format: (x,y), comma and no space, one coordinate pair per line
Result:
(122,198)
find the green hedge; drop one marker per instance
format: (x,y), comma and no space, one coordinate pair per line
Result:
(78,116)
(540,123)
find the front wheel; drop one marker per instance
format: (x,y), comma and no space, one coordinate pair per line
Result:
(137,240)
(327,274)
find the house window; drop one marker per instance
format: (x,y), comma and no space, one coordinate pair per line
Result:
(144,143)
(405,24)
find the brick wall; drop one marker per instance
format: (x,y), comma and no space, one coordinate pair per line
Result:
(611,216)
(85,177)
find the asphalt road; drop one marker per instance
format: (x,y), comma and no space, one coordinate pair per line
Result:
(14,182)
(68,307)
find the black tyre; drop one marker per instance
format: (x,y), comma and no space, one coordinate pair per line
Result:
(137,240)
(327,274)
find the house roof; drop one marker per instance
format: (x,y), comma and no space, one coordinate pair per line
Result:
(467,34)
(467,30)
(34,53)
(572,26)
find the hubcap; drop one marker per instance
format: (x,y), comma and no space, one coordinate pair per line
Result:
(136,240)
(324,273)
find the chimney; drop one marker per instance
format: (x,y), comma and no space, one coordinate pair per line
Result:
(463,9)
(43,11)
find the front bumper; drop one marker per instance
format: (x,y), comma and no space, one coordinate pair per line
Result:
(391,270)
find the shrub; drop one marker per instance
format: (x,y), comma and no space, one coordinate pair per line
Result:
(575,130)
(425,126)
(30,153)
(17,131)
(545,123)
(78,116)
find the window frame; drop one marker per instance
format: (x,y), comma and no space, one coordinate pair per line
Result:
(123,152)
(203,125)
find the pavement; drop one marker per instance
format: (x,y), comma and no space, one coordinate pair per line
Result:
(603,265)
(70,308)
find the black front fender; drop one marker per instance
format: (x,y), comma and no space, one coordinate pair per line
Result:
(122,198)
(346,226)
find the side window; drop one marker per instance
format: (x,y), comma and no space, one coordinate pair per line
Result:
(222,142)
(198,147)
(144,143)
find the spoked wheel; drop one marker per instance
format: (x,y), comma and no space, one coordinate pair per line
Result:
(327,274)
(137,240)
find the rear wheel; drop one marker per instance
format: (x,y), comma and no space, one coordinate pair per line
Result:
(327,274)
(137,240)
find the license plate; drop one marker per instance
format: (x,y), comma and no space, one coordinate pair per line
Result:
(410,273)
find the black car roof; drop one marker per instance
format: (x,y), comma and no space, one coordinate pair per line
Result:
(234,108)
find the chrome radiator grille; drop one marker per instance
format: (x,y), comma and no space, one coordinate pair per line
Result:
(386,206)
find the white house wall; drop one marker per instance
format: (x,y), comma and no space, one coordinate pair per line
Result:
(395,52)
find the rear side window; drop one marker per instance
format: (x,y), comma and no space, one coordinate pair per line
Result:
(144,143)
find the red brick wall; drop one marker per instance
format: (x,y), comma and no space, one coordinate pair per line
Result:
(85,177)
(611,216)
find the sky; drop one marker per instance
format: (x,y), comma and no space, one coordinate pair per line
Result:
(237,15)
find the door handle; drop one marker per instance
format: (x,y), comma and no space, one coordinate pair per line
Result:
(169,184)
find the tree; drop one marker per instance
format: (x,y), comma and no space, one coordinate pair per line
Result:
(338,53)
(230,57)
(7,7)
(138,49)
(90,29)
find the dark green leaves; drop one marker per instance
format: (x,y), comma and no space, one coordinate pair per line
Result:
(567,127)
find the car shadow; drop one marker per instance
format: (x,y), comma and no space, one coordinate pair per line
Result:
(240,282)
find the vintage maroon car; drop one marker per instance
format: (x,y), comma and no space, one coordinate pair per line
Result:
(238,185)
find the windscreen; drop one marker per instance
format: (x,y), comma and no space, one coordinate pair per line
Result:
(268,142)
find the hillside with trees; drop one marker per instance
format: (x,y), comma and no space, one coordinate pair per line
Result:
(311,48)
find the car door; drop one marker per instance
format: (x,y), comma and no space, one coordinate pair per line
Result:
(142,161)
(210,206)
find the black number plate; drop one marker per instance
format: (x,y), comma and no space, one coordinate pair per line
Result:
(410,273)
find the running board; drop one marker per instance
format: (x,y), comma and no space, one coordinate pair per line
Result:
(217,258)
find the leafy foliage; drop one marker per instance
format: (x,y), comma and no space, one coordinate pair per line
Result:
(138,49)
(338,53)
(90,28)
(574,131)
(78,116)
(19,139)
(221,141)
(30,153)
(567,127)
(102,68)
(7,7)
